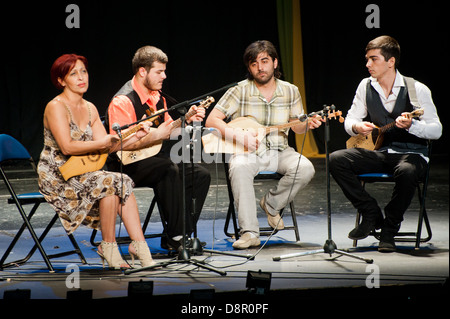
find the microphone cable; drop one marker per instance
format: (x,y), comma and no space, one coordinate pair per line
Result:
(275,229)
(120,210)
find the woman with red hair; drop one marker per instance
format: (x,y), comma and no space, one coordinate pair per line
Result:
(72,126)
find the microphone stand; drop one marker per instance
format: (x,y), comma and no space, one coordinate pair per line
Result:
(183,255)
(329,246)
(177,106)
(197,248)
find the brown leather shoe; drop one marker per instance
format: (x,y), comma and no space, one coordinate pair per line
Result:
(276,222)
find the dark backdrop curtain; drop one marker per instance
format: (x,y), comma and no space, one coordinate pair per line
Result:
(334,40)
(205,41)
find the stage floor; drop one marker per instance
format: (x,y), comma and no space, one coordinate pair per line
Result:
(409,275)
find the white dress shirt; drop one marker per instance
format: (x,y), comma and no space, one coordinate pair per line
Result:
(427,127)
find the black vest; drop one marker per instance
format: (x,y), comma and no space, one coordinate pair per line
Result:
(397,139)
(139,108)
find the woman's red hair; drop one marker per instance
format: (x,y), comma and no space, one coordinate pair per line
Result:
(62,66)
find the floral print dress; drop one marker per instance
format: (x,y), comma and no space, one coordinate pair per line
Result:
(77,200)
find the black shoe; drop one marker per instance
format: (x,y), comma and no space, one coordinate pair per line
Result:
(364,229)
(387,241)
(170,244)
(387,247)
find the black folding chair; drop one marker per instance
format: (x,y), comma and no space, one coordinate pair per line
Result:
(13,152)
(264,231)
(415,237)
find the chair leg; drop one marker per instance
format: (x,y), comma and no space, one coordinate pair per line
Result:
(12,245)
(149,214)
(36,240)
(427,227)
(423,218)
(358,220)
(41,238)
(77,249)
(147,220)
(294,221)
(231,214)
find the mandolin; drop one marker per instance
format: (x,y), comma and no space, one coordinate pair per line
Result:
(374,140)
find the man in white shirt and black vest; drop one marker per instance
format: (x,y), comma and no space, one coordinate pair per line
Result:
(381,99)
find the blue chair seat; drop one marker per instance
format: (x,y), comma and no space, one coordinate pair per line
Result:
(375,175)
(28,198)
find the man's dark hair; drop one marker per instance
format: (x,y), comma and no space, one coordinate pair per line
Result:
(252,51)
(388,46)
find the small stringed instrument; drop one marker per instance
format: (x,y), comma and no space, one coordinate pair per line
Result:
(374,140)
(80,164)
(128,157)
(212,143)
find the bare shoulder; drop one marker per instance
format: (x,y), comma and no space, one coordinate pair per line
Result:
(94,112)
(54,103)
(55,106)
(92,107)
(55,112)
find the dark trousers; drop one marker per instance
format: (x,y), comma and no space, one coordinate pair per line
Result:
(407,169)
(165,177)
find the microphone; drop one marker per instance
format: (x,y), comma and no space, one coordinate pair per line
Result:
(190,129)
(331,107)
(303,117)
(116,127)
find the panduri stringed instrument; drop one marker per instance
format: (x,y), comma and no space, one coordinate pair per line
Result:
(80,164)
(374,140)
(128,157)
(212,143)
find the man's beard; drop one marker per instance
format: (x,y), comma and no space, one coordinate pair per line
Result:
(267,80)
(148,85)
